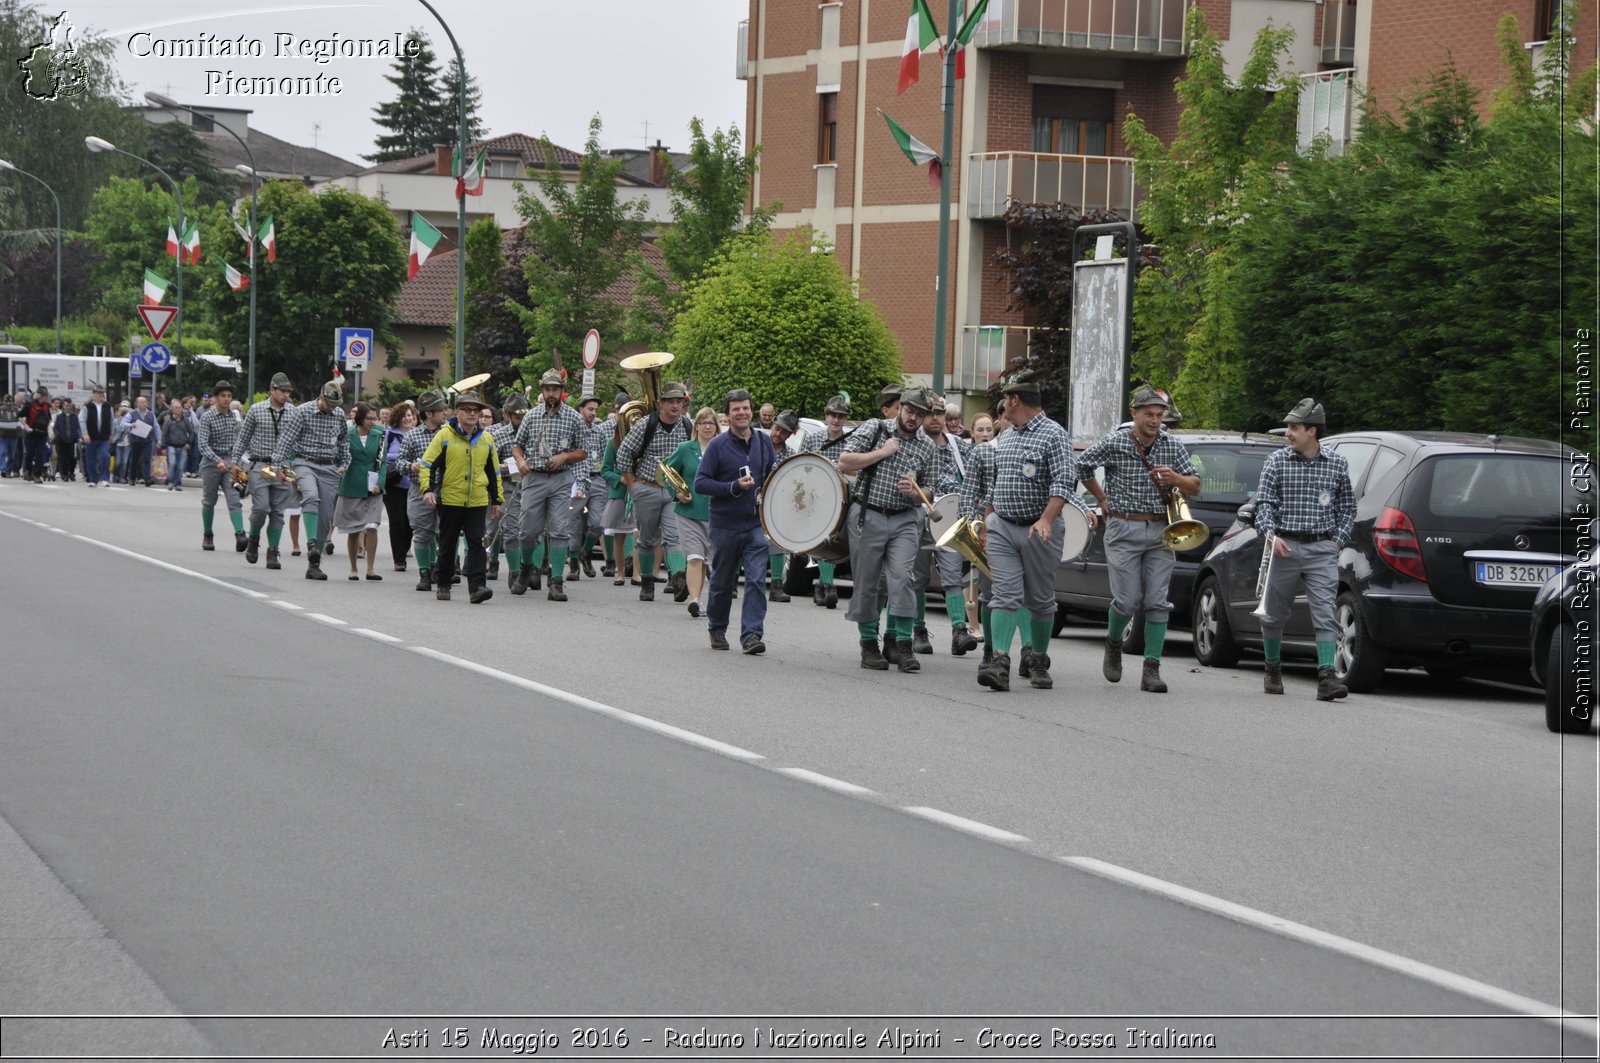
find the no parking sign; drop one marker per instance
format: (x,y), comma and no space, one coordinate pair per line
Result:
(353,347)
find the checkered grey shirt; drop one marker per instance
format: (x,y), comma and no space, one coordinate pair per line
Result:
(544,434)
(1033,464)
(259,432)
(950,471)
(503,433)
(593,440)
(310,433)
(818,442)
(666,440)
(412,447)
(1127,481)
(978,485)
(1301,495)
(218,433)
(916,454)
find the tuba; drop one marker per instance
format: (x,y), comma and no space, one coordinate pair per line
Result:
(648,366)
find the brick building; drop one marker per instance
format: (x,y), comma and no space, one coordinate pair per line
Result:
(1039,119)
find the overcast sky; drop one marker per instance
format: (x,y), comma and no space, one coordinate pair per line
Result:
(544,66)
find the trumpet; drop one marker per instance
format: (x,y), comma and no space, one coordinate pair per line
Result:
(270,472)
(1264,578)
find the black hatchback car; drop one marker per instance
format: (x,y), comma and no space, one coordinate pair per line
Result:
(1561,637)
(1230,470)
(1454,535)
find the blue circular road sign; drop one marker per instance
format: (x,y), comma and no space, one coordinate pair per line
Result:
(155,356)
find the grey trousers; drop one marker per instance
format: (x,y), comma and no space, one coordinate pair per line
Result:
(1139,566)
(652,509)
(268,499)
(319,494)
(1318,565)
(949,564)
(883,549)
(588,515)
(423,517)
(546,501)
(211,480)
(1024,568)
(507,527)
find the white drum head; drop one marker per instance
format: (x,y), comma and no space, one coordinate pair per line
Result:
(1076,540)
(801,502)
(948,508)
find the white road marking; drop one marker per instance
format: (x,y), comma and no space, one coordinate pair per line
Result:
(288,605)
(367,632)
(828,782)
(591,705)
(326,619)
(971,826)
(1456,983)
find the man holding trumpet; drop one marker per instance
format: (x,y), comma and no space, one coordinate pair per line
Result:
(1305,508)
(1142,464)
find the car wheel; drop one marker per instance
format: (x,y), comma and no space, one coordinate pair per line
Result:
(1358,662)
(1214,646)
(1561,686)
(1133,637)
(799,576)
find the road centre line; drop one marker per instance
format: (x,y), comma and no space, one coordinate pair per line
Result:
(367,632)
(591,705)
(1456,983)
(827,782)
(281,604)
(326,619)
(970,826)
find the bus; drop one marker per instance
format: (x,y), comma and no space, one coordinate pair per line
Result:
(74,376)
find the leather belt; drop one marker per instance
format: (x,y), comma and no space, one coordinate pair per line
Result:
(884,509)
(1162,517)
(1306,536)
(1018,521)
(315,461)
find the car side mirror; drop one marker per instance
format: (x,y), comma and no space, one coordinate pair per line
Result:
(1247,514)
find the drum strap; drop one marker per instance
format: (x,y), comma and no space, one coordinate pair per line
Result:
(864,481)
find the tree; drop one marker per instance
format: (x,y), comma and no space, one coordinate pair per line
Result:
(341,262)
(495,336)
(785,321)
(583,240)
(176,148)
(412,117)
(708,199)
(1231,138)
(447,122)
(128,227)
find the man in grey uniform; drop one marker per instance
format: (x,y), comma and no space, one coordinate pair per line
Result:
(317,440)
(550,459)
(218,432)
(650,442)
(505,530)
(892,457)
(1140,462)
(952,454)
(258,436)
(433,410)
(588,513)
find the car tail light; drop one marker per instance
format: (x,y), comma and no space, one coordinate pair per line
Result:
(1396,539)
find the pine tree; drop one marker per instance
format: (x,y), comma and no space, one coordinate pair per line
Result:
(412,117)
(448,118)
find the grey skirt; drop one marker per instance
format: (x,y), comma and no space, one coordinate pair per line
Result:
(694,538)
(358,514)
(615,522)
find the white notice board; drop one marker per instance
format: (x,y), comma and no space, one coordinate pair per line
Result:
(1099,333)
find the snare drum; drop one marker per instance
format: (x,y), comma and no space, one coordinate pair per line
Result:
(804,502)
(1076,540)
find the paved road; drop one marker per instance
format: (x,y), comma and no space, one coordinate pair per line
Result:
(318,838)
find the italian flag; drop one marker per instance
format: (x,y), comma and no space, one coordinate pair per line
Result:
(155,287)
(269,239)
(470,182)
(969,26)
(919,35)
(249,241)
(424,238)
(172,239)
(915,150)
(236,280)
(191,243)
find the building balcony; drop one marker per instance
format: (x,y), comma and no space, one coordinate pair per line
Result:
(984,351)
(1086,182)
(1327,109)
(1339,32)
(1136,27)
(741,59)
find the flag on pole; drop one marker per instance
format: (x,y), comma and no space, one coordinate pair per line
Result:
(471,182)
(249,241)
(969,26)
(191,244)
(236,280)
(920,33)
(915,150)
(269,239)
(172,239)
(424,238)
(155,287)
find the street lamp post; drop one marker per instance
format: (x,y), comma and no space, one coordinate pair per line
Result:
(4,165)
(98,144)
(461,200)
(250,171)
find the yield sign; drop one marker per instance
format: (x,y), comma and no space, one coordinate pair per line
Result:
(157,318)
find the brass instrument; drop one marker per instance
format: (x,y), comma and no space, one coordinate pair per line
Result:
(269,472)
(239,480)
(648,366)
(1182,532)
(669,478)
(466,384)
(1264,578)
(960,537)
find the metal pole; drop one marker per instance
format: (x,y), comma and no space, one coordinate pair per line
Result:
(947,171)
(7,166)
(177,191)
(461,201)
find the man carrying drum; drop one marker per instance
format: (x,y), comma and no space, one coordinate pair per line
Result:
(828,442)
(952,455)
(1141,462)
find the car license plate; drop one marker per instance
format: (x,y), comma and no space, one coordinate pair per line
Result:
(1500,574)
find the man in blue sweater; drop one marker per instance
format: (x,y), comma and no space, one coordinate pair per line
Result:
(732,467)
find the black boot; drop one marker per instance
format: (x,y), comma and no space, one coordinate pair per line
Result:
(1272,681)
(272,558)
(558,591)
(1329,688)
(920,642)
(424,579)
(680,586)
(588,566)
(240,542)
(891,648)
(831,598)
(572,566)
(494,570)
(208,543)
(818,595)
(252,550)
(905,657)
(961,641)
(1150,681)
(479,595)
(871,658)
(443,591)
(647,589)
(519,580)
(314,566)
(535,579)
(995,673)
(1039,671)
(1111,664)
(776,593)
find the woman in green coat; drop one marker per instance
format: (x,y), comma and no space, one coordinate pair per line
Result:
(694,534)
(360,507)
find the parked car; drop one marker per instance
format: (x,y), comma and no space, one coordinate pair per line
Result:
(1561,640)
(1454,536)
(1230,470)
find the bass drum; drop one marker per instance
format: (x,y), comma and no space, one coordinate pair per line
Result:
(803,506)
(1076,541)
(946,511)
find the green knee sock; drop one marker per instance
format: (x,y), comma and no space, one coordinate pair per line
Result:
(956,606)
(207,515)
(236,518)
(627,551)
(514,558)
(677,561)
(1273,648)
(774,567)
(1039,632)
(900,627)
(274,536)
(589,543)
(558,562)
(1002,627)
(1116,625)
(922,609)
(983,618)
(868,631)
(605,548)
(825,572)
(310,520)
(1325,653)
(645,567)
(1155,639)
(538,555)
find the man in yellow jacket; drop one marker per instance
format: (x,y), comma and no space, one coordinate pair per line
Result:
(461,477)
